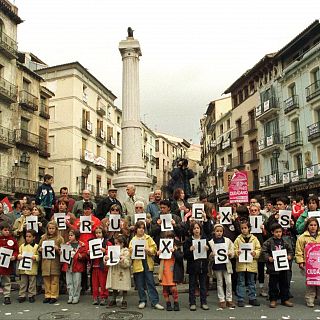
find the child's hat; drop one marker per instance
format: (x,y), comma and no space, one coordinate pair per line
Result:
(217,225)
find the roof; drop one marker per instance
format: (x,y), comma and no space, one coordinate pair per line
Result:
(10,11)
(267,58)
(77,65)
(315,26)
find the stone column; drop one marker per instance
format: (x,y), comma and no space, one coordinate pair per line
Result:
(132,166)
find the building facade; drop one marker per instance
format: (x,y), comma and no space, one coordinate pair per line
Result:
(85,130)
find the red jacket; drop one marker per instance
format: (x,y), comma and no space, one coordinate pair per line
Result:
(79,264)
(85,237)
(9,243)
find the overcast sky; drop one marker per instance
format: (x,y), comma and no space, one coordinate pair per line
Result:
(192,50)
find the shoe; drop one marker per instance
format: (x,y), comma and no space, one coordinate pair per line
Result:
(95,302)
(169,307)
(7,300)
(53,301)
(240,303)
(230,304)
(254,303)
(124,305)
(22,299)
(32,299)
(176,306)
(193,307)
(75,301)
(158,306)
(142,305)
(46,300)
(273,304)
(310,304)
(205,307)
(112,303)
(222,304)
(70,300)
(103,302)
(287,303)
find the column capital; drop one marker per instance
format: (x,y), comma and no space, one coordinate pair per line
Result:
(128,46)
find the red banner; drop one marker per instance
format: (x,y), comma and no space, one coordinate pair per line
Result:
(238,187)
(312,252)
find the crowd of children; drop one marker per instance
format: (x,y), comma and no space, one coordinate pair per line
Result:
(234,276)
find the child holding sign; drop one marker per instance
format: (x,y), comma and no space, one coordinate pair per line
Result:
(42,222)
(278,280)
(143,265)
(99,271)
(28,255)
(77,265)
(247,250)
(19,227)
(222,265)
(119,275)
(8,244)
(196,267)
(310,235)
(171,269)
(50,263)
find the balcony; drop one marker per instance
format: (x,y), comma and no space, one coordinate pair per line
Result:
(101,110)
(237,162)
(293,140)
(291,104)
(43,148)
(111,168)
(27,139)
(6,138)
(5,184)
(313,172)
(24,186)
(86,126)
(110,142)
(152,159)
(44,111)
(8,46)
(294,176)
(8,91)
(314,132)
(28,101)
(313,90)
(267,110)
(237,134)
(249,126)
(226,144)
(271,181)
(100,136)
(270,143)
(251,156)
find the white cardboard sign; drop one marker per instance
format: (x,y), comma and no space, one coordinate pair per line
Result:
(165,246)
(197,210)
(166,224)
(225,215)
(245,255)
(200,251)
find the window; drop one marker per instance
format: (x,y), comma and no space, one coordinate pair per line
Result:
(251,88)
(109,159)
(98,151)
(238,126)
(99,190)
(318,115)
(292,90)
(253,147)
(315,75)
(295,126)
(167,150)
(221,128)
(41,173)
(118,119)
(299,163)
(222,161)
(83,145)
(157,163)
(229,158)
(85,93)
(157,145)
(118,139)
(274,165)
(246,92)
(252,120)
(271,128)
(228,124)
(109,133)
(118,160)
(26,85)
(163,147)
